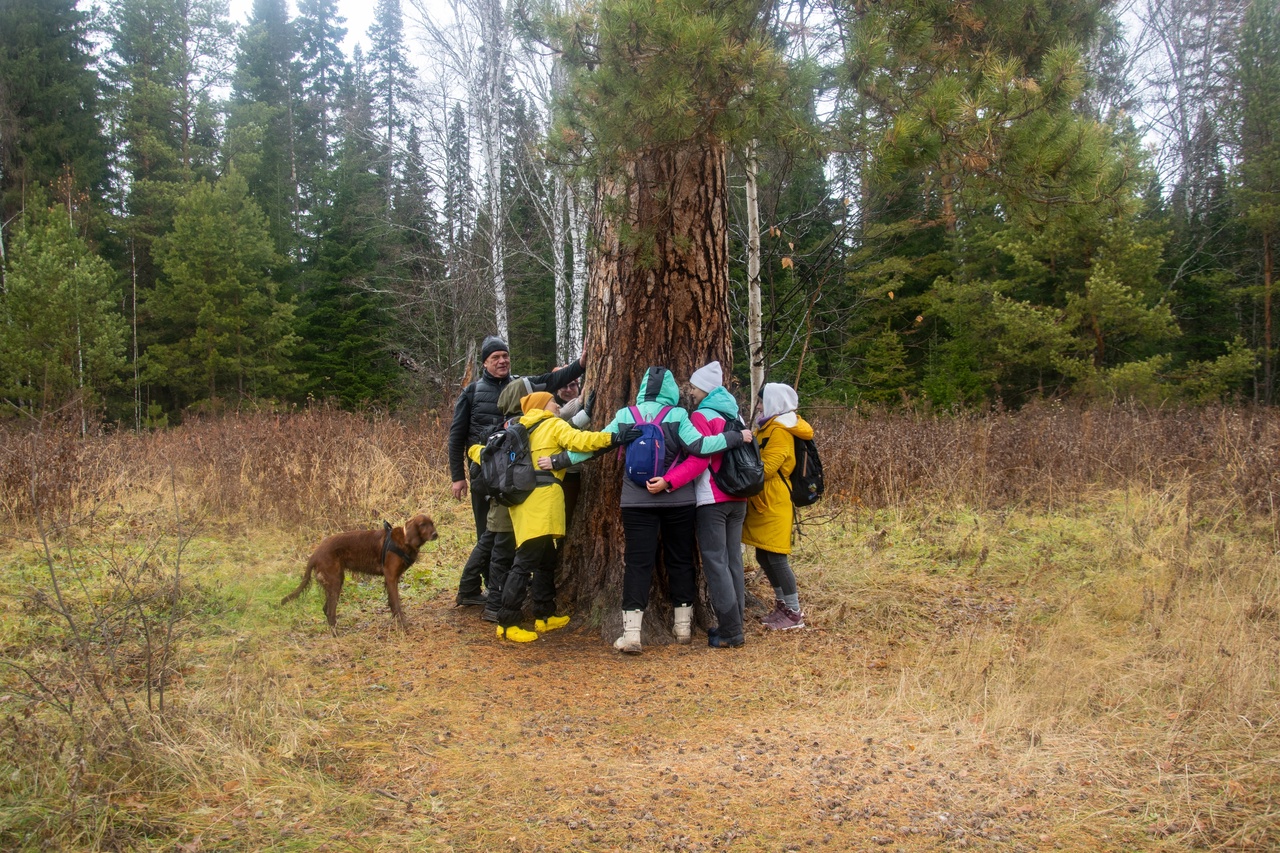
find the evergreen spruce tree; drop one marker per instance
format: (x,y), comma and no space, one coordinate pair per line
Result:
(345,353)
(391,87)
(884,371)
(414,212)
(460,203)
(319,64)
(167,60)
(228,334)
(260,122)
(62,337)
(528,264)
(50,127)
(1258,183)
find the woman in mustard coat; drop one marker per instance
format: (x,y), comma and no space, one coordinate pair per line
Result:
(770,514)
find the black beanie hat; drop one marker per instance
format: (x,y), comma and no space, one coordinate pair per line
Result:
(492,344)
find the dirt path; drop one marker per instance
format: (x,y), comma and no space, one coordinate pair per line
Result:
(564,744)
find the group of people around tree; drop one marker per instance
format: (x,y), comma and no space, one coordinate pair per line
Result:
(681,508)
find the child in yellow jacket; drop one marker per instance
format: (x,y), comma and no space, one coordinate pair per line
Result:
(540,520)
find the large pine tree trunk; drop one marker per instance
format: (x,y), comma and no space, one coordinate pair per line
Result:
(659,294)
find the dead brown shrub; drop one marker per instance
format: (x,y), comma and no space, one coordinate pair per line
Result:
(325,467)
(1047,455)
(318,466)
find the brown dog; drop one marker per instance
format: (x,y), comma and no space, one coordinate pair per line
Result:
(387,552)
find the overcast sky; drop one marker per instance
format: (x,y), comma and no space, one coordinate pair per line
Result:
(359,15)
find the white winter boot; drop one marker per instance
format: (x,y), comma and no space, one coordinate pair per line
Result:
(684,625)
(629,642)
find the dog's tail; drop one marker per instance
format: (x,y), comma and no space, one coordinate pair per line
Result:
(306,582)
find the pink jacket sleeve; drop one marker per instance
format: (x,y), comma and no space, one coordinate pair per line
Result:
(687,470)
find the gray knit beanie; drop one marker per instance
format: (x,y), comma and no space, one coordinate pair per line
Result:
(493,344)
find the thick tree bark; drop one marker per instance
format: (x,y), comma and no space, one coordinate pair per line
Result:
(658,295)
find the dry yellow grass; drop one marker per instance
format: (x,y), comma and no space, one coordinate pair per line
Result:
(1098,674)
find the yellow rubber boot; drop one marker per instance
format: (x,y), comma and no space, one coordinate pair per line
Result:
(516,634)
(551,623)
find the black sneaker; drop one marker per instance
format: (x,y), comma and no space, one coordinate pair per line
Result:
(473,600)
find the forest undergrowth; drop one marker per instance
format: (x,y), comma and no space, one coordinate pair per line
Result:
(1051,629)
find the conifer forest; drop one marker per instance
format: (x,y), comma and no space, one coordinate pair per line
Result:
(956,205)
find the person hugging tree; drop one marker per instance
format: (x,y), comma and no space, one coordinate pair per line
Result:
(540,519)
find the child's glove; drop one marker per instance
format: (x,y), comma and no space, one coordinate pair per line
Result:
(627,435)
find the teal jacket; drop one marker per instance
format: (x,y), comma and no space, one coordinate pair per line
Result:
(658,388)
(719,403)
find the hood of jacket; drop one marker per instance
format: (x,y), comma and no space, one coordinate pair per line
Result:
(720,402)
(790,422)
(658,385)
(532,417)
(779,402)
(509,399)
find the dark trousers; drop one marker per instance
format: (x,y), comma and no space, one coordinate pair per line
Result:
(572,484)
(720,543)
(477,565)
(777,568)
(534,567)
(476,570)
(480,509)
(645,528)
(504,553)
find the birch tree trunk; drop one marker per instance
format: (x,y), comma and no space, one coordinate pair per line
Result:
(755,337)
(560,270)
(496,37)
(659,295)
(579,228)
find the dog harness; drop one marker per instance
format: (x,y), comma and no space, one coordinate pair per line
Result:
(389,544)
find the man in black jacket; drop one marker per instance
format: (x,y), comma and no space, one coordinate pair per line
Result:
(475,417)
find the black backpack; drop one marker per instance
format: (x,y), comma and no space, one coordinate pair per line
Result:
(741,472)
(506,464)
(806,484)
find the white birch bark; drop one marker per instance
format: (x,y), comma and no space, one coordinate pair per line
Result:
(755,338)
(559,194)
(496,37)
(579,225)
